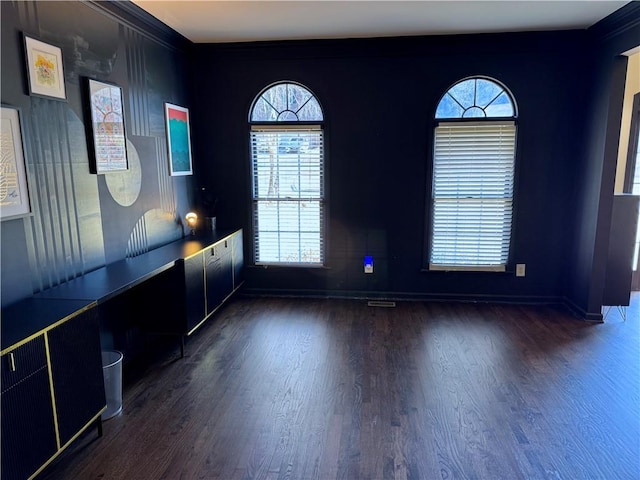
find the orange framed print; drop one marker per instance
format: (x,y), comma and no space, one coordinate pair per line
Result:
(178,140)
(14,191)
(45,71)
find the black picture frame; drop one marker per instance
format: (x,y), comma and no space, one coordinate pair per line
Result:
(106,135)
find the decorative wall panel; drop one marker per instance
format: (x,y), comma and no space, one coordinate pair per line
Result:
(165,183)
(54,232)
(155,228)
(82,221)
(124,186)
(138,102)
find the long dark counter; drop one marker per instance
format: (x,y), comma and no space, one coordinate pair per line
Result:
(31,316)
(106,282)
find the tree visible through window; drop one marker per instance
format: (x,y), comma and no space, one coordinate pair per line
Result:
(473,174)
(287,158)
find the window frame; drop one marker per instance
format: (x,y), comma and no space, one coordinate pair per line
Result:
(292,127)
(430,198)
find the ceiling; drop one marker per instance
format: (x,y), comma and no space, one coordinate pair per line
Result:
(216,21)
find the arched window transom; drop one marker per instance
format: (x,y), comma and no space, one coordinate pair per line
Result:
(286,102)
(476,98)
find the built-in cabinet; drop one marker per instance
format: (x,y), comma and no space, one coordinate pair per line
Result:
(28,429)
(50,357)
(52,384)
(218,269)
(192,270)
(208,281)
(76,373)
(169,290)
(196,287)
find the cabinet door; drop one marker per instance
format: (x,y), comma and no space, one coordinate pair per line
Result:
(76,369)
(28,430)
(194,290)
(237,258)
(219,274)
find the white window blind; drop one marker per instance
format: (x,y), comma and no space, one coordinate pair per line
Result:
(472,195)
(288,194)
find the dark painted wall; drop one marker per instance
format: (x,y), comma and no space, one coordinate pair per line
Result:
(379,97)
(595,178)
(81,221)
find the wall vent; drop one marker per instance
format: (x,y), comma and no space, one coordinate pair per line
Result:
(381,303)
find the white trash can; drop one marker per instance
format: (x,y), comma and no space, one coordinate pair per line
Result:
(112,372)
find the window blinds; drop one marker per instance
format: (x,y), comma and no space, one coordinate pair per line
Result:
(288,195)
(472,195)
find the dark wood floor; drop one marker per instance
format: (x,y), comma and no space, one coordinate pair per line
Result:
(324,389)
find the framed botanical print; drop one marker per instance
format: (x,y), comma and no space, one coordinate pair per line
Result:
(14,191)
(45,70)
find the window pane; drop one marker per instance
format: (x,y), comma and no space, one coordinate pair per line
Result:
(288,194)
(268,247)
(288,213)
(310,112)
(267,216)
(310,248)
(464,93)
(277,96)
(280,241)
(263,112)
(287,116)
(500,107)
(486,91)
(289,247)
(448,108)
(297,97)
(474,112)
(310,217)
(471,232)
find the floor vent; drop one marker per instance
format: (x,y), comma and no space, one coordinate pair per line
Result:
(380,303)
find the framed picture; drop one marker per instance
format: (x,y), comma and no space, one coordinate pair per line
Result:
(45,70)
(178,139)
(107,137)
(14,191)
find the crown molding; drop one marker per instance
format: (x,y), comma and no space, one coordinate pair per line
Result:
(130,14)
(623,19)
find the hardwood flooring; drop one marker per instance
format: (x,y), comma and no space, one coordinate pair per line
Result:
(333,389)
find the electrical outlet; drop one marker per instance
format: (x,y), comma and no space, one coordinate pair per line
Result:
(368,264)
(521,269)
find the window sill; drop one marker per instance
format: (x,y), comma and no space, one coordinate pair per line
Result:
(459,268)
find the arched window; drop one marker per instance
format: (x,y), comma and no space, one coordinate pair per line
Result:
(287,158)
(473,176)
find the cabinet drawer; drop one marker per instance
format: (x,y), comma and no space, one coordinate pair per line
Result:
(22,362)
(218,250)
